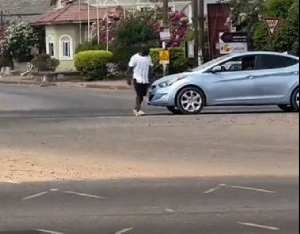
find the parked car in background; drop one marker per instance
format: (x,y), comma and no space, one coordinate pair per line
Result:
(248,78)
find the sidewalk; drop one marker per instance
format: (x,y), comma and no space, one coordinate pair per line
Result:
(106,84)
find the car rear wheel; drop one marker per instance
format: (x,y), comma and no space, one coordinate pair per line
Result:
(286,108)
(295,100)
(190,100)
(174,110)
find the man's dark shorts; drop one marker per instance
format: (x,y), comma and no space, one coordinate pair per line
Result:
(140,89)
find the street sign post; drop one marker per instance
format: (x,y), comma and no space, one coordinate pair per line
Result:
(233,42)
(272,24)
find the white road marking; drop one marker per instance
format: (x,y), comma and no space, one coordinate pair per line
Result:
(259,226)
(84,194)
(34,196)
(48,231)
(169,210)
(253,189)
(10,182)
(212,190)
(53,190)
(124,230)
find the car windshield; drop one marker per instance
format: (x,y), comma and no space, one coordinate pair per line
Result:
(212,62)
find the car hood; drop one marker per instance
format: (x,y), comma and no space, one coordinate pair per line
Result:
(171,77)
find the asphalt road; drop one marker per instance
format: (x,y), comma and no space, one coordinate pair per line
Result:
(177,206)
(228,170)
(54,102)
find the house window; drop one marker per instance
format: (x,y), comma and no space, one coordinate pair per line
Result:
(66,47)
(50,46)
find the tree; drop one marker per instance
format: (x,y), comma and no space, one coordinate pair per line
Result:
(135,31)
(287,36)
(19,38)
(245,14)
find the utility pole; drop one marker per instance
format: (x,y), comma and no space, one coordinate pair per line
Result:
(1,19)
(201,29)
(165,24)
(196,31)
(165,12)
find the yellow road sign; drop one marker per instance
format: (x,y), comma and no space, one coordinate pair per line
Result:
(164,57)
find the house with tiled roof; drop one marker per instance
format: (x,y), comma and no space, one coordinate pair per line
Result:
(23,10)
(66,27)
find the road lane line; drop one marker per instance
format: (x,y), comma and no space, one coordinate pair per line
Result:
(48,231)
(10,182)
(212,190)
(124,230)
(259,226)
(53,190)
(253,189)
(169,210)
(34,196)
(84,194)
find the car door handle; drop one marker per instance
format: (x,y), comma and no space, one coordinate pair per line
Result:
(295,73)
(250,77)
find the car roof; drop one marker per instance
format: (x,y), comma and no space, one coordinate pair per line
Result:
(263,53)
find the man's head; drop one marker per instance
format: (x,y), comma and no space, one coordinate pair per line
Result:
(145,51)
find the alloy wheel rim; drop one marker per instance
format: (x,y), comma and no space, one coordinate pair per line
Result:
(297,98)
(191,101)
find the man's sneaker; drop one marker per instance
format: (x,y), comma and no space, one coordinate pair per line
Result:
(138,113)
(141,113)
(135,112)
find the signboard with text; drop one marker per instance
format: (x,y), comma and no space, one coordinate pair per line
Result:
(230,42)
(165,34)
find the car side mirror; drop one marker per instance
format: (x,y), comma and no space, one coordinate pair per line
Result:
(216,69)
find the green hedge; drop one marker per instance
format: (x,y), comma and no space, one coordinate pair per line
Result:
(93,63)
(44,62)
(178,60)
(89,46)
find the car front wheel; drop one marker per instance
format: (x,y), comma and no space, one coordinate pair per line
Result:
(295,100)
(190,100)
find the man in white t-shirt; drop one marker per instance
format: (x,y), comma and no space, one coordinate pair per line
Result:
(140,66)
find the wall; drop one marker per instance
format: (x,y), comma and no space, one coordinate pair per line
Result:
(57,31)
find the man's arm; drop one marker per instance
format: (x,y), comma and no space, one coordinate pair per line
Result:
(151,72)
(129,73)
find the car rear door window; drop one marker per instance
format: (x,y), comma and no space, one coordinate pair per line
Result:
(275,61)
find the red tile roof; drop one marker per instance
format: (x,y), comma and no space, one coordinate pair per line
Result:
(70,14)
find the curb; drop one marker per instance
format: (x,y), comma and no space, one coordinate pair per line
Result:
(46,84)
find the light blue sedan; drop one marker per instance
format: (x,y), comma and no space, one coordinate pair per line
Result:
(250,78)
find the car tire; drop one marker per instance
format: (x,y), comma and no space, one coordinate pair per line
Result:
(174,110)
(190,100)
(295,100)
(286,108)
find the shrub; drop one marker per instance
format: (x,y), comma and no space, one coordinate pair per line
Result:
(178,60)
(93,63)
(44,62)
(93,45)
(18,41)
(6,60)
(122,55)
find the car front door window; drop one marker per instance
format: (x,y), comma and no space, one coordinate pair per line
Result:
(243,63)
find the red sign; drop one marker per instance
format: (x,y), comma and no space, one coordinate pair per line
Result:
(272,24)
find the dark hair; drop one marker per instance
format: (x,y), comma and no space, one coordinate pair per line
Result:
(145,50)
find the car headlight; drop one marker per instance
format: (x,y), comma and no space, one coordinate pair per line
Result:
(169,82)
